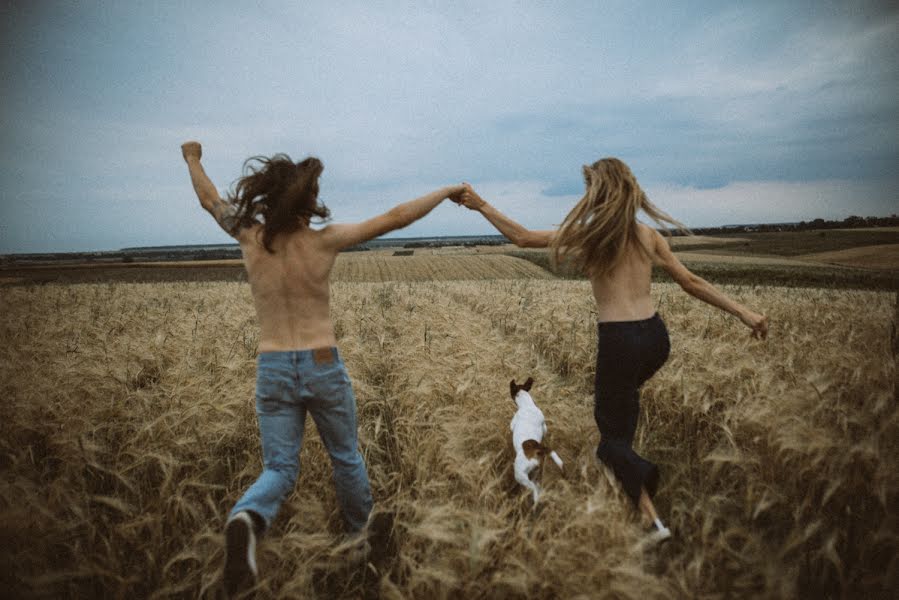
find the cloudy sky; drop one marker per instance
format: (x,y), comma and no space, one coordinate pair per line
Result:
(726,112)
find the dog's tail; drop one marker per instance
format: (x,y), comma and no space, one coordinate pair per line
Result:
(555,457)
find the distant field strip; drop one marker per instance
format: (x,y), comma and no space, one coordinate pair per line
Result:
(356,267)
(714,256)
(880,256)
(703,240)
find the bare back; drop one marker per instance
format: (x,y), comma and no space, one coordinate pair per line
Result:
(623,294)
(290,289)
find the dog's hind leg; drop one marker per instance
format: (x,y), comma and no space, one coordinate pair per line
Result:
(522,477)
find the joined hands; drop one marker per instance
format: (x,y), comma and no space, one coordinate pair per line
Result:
(469,198)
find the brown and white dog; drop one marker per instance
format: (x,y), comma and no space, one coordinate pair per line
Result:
(528,427)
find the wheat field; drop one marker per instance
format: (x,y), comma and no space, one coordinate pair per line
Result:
(128,432)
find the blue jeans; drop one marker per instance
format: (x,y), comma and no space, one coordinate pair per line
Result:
(287,385)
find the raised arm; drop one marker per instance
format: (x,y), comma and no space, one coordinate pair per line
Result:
(517,234)
(700,288)
(221,211)
(345,235)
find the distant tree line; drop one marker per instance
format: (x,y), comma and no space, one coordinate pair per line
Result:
(853,222)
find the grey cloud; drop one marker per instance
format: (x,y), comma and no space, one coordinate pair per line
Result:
(395,98)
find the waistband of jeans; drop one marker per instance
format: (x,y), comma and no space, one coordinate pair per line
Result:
(639,322)
(325,354)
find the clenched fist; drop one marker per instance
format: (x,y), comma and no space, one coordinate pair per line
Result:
(191,150)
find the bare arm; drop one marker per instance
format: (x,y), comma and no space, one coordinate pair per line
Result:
(344,235)
(700,288)
(221,211)
(517,234)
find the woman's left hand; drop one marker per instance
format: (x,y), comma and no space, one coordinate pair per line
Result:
(470,199)
(758,323)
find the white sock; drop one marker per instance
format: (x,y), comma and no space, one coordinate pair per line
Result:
(659,525)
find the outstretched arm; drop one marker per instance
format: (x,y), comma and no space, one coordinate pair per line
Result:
(517,234)
(700,288)
(344,235)
(221,211)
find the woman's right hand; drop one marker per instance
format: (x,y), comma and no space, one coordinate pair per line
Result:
(470,199)
(757,323)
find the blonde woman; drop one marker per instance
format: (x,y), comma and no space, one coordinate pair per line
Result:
(601,236)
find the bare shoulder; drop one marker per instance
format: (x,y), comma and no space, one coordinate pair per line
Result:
(655,243)
(227,215)
(646,232)
(651,239)
(249,235)
(328,235)
(324,240)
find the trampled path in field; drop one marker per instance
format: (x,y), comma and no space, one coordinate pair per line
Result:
(434,411)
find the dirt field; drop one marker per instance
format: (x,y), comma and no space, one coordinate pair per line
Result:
(361,267)
(128,432)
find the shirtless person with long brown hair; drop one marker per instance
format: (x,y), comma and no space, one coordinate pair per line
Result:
(299,369)
(602,237)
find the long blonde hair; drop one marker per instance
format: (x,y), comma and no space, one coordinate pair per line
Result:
(603,223)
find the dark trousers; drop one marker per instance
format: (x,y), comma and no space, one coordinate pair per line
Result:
(629,353)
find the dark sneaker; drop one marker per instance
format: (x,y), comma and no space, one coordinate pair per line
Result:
(380,533)
(240,554)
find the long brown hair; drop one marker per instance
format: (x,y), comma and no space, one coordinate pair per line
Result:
(283,193)
(603,223)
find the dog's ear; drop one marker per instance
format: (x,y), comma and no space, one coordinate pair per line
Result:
(513,389)
(527,384)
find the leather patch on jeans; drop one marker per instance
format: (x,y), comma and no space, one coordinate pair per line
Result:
(322,356)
